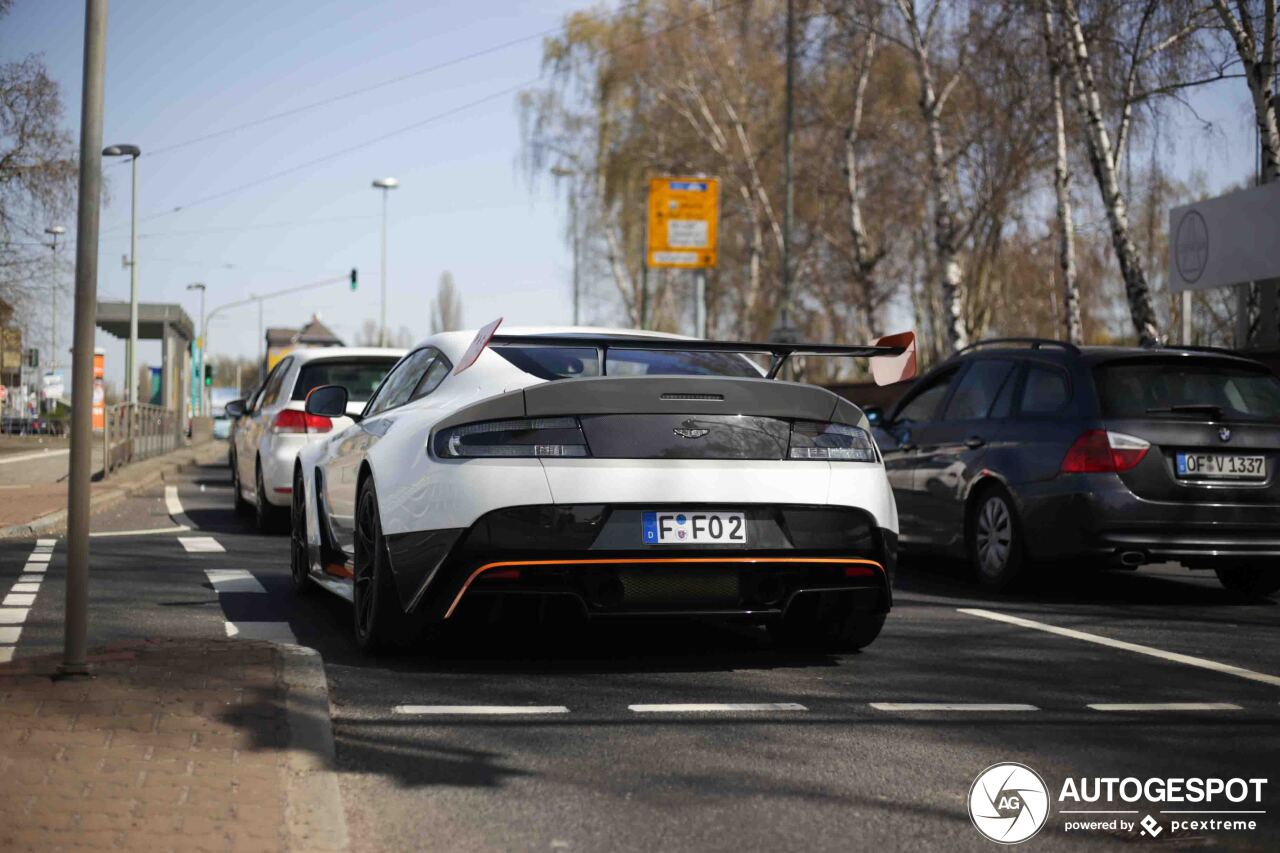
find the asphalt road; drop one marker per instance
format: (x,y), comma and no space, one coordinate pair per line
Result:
(831,752)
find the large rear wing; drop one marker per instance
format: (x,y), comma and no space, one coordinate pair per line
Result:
(894,356)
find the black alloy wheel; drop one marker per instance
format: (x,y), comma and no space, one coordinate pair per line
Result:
(299,558)
(380,623)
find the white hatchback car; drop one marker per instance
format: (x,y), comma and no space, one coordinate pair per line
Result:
(273,427)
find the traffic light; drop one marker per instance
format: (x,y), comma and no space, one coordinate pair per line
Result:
(33,357)
(354,278)
(208,375)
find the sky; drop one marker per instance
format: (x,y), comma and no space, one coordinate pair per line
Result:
(220,212)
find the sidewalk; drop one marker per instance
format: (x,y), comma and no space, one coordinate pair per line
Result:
(172,745)
(40,508)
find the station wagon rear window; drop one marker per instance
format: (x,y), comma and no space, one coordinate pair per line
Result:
(1187,388)
(360,378)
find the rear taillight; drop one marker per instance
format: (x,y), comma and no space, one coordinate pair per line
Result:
(524,437)
(815,440)
(293,421)
(1101,451)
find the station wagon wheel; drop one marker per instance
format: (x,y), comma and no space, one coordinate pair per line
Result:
(995,542)
(299,559)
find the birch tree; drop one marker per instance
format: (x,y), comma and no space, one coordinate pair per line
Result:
(1257,52)
(1062,183)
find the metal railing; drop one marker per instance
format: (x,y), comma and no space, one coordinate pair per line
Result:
(133,433)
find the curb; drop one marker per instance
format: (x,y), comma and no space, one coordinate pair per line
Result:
(57,520)
(314,815)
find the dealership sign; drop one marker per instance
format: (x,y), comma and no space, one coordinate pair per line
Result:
(1231,239)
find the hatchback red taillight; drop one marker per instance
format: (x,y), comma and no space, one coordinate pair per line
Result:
(293,421)
(1102,451)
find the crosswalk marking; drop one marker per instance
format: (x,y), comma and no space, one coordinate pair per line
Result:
(13,615)
(201,545)
(714,707)
(10,635)
(19,599)
(40,557)
(952,706)
(496,710)
(233,580)
(35,567)
(275,632)
(26,587)
(16,606)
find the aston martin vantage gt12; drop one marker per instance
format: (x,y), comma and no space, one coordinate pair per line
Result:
(605,473)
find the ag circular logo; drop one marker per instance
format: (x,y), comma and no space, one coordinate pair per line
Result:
(1008,802)
(1191,246)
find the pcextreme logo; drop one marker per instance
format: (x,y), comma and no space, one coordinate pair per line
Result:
(1008,802)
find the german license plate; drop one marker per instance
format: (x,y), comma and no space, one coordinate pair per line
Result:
(678,527)
(1220,466)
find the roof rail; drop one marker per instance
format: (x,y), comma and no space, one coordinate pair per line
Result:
(1032,343)
(1191,348)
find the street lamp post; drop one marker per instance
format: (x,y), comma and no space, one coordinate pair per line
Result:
(386,185)
(131,349)
(561,172)
(204,406)
(54,231)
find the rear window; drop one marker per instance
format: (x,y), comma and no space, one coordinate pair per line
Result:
(1183,388)
(360,378)
(574,362)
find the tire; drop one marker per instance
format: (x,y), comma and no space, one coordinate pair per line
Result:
(994,538)
(299,558)
(243,507)
(1250,581)
(266,518)
(380,623)
(824,622)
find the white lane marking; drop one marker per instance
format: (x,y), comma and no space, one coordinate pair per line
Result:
(38,557)
(1165,706)
(202,487)
(44,454)
(173,506)
(499,710)
(275,632)
(10,635)
(711,707)
(201,545)
(30,578)
(26,586)
(19,599)
(1175,657)
(233,580)
(952,706)
(41,543)
(180,528)
(6,654)
(36,567)
(13,615)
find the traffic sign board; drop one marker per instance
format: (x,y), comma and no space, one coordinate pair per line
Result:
(684,216)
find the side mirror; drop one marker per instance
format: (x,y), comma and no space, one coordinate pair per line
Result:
(234,409)
(329,401)
(875,415)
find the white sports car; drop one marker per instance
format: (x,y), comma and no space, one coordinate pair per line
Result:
(608,472)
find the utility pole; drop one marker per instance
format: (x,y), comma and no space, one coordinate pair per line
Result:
(203,408)
(386,185)
(784,317)
(76,635)
(54,231)
(131,350)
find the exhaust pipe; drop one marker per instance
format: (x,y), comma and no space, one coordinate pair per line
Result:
(1132,559)
(769,591)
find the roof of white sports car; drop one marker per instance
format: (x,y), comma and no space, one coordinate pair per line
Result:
(454,344)
(306,354)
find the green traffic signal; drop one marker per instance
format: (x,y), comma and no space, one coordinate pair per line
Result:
(208,374)
(354,278)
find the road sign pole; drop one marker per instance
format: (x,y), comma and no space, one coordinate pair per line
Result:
(700,303)
(74,661)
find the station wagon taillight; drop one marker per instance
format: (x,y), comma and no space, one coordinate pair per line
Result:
(293,421)
(1101,451)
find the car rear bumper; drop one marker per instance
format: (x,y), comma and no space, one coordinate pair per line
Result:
(277,456)
(1096,515)
(591,555)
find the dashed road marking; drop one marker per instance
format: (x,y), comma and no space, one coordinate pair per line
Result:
(16,606)
(13,615)
(19,599)
(25,457)
(497,710)
(1165,706)
(952,706)
(35,568)
(1175,657)
(9,636)
(46,543)
(173,505)
(40,557)
(26,586)
(152,531)
(275,632)
(233,580)
(201,545)
(715,707)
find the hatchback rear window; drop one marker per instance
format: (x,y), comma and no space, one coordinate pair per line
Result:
(1181,388)
(575,362)
(360,378)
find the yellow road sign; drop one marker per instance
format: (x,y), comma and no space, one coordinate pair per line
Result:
(684,215)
